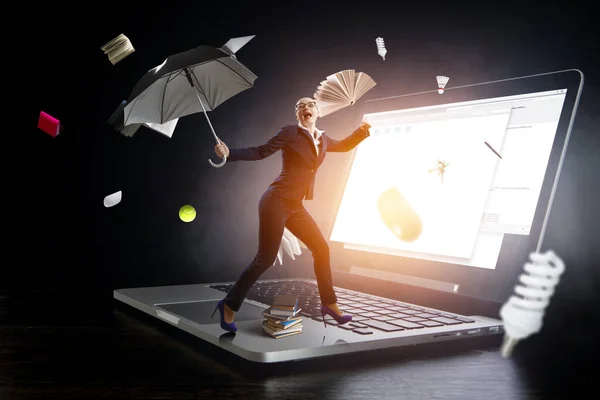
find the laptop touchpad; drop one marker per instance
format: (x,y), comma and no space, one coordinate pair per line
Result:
(200,312)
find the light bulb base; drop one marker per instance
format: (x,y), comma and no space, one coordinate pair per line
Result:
(508,345)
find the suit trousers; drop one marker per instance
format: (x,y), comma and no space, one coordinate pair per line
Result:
(274,214)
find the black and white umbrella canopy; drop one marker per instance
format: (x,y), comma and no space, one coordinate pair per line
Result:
(177,87)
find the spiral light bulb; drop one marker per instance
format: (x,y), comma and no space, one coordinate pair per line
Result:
(523,315)
(381,50)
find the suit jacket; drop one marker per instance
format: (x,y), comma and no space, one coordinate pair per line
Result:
(300,161)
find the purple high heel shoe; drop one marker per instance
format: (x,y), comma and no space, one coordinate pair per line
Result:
(221,307)
(340,319)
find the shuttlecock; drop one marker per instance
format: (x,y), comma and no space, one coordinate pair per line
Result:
(381,50)
(523,315)
(441,81)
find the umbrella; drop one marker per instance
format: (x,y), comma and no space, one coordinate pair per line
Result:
(196,80)
(116,121)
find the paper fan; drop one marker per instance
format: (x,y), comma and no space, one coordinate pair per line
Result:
(341,90)
(290,245)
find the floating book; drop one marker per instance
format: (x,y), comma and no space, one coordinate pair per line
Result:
(341,90)
(118,48)
(49,124)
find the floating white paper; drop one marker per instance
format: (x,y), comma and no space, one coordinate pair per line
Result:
(235,44)
(113,199)
(166,129)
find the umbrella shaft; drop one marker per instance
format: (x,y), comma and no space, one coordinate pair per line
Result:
(206,115)
(188,75)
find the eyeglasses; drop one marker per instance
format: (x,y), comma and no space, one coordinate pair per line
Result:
(310,104)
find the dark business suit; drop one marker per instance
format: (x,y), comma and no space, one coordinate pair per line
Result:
(281,205)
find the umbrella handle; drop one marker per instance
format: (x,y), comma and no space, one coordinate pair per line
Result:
(220,164)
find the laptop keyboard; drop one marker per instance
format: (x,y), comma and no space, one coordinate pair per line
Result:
(369,313)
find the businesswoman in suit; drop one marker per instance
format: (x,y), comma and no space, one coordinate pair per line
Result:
(303,149)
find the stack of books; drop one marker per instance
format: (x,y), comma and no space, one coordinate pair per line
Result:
(282,319)
(118,48)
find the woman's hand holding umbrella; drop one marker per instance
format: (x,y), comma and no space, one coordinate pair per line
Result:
(221,149)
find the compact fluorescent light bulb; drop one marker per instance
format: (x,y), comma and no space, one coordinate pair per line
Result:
(523,314)
(381,50)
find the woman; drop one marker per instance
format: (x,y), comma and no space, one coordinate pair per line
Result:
(303,147)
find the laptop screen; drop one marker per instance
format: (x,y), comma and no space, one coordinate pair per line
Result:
(445,196)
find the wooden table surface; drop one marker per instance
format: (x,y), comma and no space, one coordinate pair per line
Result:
(65,346)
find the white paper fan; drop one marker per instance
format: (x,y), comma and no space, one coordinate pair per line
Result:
(294,242)
(290,245)
(341,90)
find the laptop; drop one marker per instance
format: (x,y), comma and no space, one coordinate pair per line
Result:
(438,212)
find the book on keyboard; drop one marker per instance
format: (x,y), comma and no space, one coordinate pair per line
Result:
(370,313)
(285,305)
(268,313)
(282,319)
(281,333)
(277,324)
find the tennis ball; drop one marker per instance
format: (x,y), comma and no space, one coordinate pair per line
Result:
(187,213)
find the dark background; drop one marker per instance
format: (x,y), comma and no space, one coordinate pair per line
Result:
(66,240)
